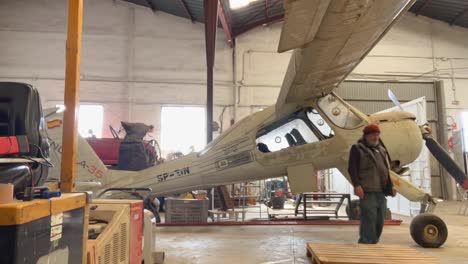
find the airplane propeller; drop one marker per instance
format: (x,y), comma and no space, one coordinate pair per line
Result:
(394,99)
(427,229)
(441,155)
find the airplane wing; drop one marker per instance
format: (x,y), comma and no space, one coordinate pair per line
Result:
(330,38)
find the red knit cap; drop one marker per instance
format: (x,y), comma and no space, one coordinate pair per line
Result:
(372,128)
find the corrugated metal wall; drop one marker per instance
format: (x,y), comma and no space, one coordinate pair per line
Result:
(371,96)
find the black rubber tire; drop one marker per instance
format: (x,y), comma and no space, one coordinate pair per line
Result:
(425,223)
(354,210)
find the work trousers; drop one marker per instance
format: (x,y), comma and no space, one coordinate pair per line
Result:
(373,209)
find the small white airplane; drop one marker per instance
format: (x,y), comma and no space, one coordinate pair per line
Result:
(308,129)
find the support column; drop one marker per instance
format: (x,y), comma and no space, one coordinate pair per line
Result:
(211,24)
(71,98)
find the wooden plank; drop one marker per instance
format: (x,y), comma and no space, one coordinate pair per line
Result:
(71,97)
(366,251)
(366,254)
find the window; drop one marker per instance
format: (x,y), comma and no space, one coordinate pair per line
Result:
(90,119)
(183,129)
(338,112)
(319,123)
(293,133)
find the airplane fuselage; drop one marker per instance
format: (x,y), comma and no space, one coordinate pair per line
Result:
(235,156)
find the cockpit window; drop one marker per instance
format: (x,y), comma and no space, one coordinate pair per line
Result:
(293,133)
(338,112)
(319,123)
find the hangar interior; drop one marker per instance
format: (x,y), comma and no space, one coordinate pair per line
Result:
(165,67)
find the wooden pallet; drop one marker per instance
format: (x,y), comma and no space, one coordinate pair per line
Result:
(365,254)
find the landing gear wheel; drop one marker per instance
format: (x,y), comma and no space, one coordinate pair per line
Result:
(353,210)
(428,230)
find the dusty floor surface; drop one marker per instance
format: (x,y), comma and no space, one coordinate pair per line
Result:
(287,244)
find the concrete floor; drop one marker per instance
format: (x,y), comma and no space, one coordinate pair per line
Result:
(287,244)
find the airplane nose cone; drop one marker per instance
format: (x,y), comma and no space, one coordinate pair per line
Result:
(403,140)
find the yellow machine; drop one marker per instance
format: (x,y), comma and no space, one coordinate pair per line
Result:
(43,226)
(44,230)
(56,231)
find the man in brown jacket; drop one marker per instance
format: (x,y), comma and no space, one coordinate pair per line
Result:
(369,170)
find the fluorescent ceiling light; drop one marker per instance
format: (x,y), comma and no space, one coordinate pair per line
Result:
(235,4)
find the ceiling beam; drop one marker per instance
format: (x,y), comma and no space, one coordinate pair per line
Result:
(422,7)
(225,23)
(267,21)
(262,11)
(211,25)
(187,10)
(246,27)
(151,5)
(460,15)
(267,8)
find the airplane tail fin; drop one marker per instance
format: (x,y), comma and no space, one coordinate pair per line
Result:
(91,172)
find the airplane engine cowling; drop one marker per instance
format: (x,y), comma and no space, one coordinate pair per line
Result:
(402,139)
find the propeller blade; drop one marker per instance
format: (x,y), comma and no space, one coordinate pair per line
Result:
(446,161)
(394,99)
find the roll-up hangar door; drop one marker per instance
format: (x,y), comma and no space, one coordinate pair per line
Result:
(371,97)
